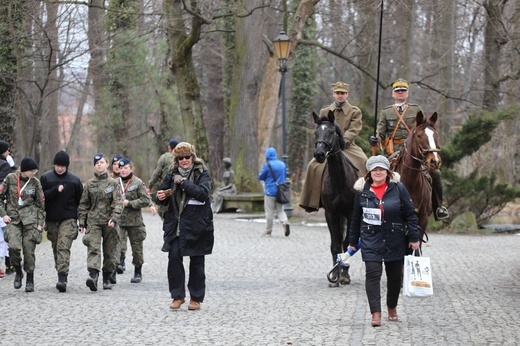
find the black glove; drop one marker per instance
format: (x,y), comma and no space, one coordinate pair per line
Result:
(373,140)
(177,178)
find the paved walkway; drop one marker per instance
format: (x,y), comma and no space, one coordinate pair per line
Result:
(271,291)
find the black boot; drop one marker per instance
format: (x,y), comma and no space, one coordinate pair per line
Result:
(121,265)
(29,284)
(62,282)
(113,277)
(18,277)
(107,285)
(92,279)
(137,278)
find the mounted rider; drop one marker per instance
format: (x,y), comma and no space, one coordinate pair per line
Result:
(395,123)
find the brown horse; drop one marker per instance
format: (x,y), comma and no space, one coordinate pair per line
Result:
(418,155)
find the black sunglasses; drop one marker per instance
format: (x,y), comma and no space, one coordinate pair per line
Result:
(183,157)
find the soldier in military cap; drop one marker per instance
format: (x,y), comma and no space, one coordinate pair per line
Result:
(395,123)
(349,120)
(24,215)
(99,214)
(135,197)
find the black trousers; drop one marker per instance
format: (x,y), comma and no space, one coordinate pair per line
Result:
(177,276)
(374,270)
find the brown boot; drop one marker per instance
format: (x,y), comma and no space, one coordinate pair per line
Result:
(392,315)
(376,319)
(194,305)
(176,304)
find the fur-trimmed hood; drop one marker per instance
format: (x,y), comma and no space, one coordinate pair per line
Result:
(360,183)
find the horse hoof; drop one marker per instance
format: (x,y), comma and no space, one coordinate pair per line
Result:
(333,284)
(345,281)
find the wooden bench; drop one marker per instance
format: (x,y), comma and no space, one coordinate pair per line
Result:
(247,202)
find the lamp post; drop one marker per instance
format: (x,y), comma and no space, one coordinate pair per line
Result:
(282,46)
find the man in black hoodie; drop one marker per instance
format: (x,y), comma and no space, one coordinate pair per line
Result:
(62,190)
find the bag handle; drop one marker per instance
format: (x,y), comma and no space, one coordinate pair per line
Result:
(419,251)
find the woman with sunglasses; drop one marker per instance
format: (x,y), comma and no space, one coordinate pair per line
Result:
(188,224)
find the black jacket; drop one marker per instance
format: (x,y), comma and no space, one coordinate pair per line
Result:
(5,168)
(63,205)
(195,223)
(399,225)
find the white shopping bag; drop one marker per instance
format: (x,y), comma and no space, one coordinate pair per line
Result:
(417,276)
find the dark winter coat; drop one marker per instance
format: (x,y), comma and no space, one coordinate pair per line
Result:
(399,226)
(62,205)
(195,222)
(5,168)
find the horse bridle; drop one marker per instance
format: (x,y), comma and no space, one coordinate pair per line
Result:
(329,152)
(423,152)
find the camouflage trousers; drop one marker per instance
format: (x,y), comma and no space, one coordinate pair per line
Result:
(101,239)
(23,238)
(122,246)
(137,235)
(61,235)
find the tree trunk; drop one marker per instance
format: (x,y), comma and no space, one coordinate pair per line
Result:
(494,40)
(180,63)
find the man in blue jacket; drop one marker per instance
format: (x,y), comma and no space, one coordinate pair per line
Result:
(273,173)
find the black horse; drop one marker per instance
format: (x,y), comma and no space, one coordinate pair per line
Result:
(337,188)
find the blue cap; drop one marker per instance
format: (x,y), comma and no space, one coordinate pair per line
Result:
(173,143)
(98,157)
(124,161)
(116,158)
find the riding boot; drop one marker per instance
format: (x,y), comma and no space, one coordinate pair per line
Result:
(138,277)
(121,265)
(62,282)
(18,277)
(29,284)
(107,284)
(93,279)
(440,212)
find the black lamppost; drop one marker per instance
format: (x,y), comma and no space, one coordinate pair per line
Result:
(282,46)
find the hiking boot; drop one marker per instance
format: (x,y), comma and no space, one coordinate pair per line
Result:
(18,277)
(93,279)
(287,228)
(107,283)
(121,266)
(29,284)
(113,277)
(138,277)
(442,213)
(62,282)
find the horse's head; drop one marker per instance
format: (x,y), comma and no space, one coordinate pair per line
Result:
(328,137)
(426,138)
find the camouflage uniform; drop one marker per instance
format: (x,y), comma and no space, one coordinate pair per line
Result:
(100,202)
(22,232)
(389,119)
(134,190)
(161,170)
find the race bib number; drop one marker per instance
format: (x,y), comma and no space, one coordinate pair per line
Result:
(372,216)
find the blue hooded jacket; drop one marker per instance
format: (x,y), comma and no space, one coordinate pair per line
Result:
(278,168)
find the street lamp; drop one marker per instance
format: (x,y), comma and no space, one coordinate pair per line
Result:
(282,47)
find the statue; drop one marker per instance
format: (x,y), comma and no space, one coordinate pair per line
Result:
(228,186)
